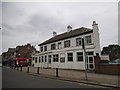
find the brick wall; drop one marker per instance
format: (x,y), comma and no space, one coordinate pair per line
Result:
(113,69)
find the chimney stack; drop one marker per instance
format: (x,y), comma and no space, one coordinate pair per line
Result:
(69,28)
(54,34)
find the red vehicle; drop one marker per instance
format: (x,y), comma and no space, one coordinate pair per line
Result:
(21,62)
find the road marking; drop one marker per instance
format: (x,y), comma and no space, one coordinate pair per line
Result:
(89,85)
(93,85)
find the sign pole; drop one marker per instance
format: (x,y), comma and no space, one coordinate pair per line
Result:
(83,47)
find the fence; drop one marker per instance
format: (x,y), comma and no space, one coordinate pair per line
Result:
(106,68)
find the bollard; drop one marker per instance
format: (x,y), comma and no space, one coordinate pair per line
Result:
(56,72)
(27,69)
(21,68)
(38,70)
(17,67)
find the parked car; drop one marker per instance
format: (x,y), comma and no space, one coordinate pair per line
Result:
(115,61)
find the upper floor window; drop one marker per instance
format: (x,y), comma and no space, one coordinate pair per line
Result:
(67,43)
(70,56)
(88,39)
(53,46)
(78,41)
(45,48)
(59,45)
(41,49)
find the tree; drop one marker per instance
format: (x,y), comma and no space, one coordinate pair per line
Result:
(112,50)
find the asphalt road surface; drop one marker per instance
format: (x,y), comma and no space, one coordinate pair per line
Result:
(18,79)
(0,77)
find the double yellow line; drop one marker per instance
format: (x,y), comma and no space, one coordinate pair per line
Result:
(93,85)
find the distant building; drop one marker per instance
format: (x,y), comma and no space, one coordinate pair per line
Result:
(65,50)
(24,51)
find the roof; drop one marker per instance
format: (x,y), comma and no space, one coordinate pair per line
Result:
(72,33)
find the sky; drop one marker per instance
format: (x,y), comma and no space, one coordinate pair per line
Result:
(34,22)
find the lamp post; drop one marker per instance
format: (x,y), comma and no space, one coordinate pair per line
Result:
(84,51)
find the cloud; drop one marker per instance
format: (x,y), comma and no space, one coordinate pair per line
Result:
(25,22)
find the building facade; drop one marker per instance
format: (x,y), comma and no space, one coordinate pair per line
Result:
(66,50)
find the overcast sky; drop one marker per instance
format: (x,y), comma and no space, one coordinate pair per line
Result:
(34,22)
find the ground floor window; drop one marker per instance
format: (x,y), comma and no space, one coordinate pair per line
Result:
(45,58)
(39,59)
(70,57)
(55,58)
(62,57)
(35,59)
(49,58)
(79,56)
(42,58)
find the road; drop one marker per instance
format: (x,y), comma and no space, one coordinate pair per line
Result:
(0,76)
(18,79)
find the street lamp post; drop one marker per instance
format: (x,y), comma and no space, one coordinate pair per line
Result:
(84,51)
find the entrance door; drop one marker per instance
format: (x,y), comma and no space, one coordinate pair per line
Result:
(90,60)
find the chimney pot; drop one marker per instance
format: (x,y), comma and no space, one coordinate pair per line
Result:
(54,34)
(94,23)
(69,28)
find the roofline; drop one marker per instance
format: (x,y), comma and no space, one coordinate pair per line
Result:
(66,38)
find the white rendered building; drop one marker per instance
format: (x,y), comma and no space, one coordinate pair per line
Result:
(65,50)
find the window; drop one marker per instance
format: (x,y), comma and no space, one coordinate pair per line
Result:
(59,45)
(45,58)
(35,59)
(70,56)
(79,56)
(88,39)
(49,58)
(45,48)
(67,43)
(78,41)
(62,57)
(39,59)
(42,58)
(53,46)
(55,58)
(41,49)
(89,53)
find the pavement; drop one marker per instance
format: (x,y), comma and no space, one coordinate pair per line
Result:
(72,76)
(16,79)
(0,77)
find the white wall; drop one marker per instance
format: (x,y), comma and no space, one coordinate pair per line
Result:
(68,65)
(95,47)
